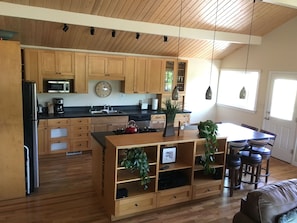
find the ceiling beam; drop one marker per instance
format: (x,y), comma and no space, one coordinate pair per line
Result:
(59,16)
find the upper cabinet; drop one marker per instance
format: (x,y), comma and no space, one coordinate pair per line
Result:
(143,75)
(80,70)
(181,75)
(56,64)
(169,77)
(105,67)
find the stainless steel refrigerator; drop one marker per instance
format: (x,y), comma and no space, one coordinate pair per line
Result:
(30,121)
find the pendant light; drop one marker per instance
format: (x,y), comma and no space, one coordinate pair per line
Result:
(242,93)
(175,92)
(208,94)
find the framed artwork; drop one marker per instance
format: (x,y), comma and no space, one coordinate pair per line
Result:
(168,155)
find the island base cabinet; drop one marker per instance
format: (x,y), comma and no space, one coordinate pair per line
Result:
(135,204)
(174,196)
(203,190)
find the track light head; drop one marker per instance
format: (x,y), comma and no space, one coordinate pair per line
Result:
(65,27)
(165,39)
(92,31)
(137,35)
(113,33)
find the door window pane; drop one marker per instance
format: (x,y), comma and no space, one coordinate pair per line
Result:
(283,99)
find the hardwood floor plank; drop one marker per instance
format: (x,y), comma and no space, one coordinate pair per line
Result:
(66,195)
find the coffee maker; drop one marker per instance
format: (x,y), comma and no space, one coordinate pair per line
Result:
(58,105)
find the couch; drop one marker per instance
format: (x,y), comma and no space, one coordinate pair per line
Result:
(276,202)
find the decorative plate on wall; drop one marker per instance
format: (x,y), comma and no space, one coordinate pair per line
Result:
(103,89)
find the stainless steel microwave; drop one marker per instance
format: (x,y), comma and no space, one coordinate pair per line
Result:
(58,86)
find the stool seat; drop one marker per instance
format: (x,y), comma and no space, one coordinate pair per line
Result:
(233,160)
(261,150)
(252,158)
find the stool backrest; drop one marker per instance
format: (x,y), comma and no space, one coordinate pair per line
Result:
(271,140)
(249,126)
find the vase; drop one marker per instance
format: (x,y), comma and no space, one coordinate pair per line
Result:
(169,125)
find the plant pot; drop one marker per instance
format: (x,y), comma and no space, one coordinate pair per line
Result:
(169,126)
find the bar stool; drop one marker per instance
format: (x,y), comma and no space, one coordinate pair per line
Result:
(254,161)
(264,148)
(233,164)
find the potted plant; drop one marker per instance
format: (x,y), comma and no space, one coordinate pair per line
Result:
(170,111)
(208,130)
(136,159)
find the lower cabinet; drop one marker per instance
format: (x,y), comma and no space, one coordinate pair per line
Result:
(111,123)
(175,173)
(63,135)
(159,120)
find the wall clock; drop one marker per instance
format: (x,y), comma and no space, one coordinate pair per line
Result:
(103,89)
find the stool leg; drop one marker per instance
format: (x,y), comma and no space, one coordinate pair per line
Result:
(258,172)
(267,170)
(232,178)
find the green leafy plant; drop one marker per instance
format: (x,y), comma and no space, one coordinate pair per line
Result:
(170,110)
(208,130)
(136,159)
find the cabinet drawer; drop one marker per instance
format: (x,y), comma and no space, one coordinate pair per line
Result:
(58,122)
(80,128)
(205,190)
(77,134)
(135,204)
(80,121)
(42,123)
(158,117)
(79,145)
(57,146)
(174,196)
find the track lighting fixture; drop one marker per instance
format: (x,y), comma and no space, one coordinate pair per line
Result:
(65,27)
(137,35)
(92,31)
(113,33)
(165,38)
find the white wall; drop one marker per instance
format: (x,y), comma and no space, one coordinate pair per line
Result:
(278,52)
(116,97)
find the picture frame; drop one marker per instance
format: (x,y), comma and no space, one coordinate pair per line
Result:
(168,155)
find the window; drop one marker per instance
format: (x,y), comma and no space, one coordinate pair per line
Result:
(230,84)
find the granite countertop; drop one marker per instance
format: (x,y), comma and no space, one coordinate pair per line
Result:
(78,112)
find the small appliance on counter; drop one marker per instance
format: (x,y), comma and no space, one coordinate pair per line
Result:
(155,104)
(58,105)
(143,105)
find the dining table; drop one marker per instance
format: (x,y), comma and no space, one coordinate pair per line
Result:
(235,132)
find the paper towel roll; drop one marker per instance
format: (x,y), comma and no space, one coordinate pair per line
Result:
(154,104)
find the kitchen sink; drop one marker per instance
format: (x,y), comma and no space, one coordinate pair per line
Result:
(106,112)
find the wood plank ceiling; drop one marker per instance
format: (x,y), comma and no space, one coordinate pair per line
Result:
(233,16)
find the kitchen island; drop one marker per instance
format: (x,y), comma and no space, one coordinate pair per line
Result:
(181,179)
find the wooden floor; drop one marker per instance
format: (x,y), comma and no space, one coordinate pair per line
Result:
(66,195)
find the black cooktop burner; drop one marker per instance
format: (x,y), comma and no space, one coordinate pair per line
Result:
(140,130)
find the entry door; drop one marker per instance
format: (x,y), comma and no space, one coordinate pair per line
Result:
(281,114)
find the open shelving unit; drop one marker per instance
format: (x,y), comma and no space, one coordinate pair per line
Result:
(174,174)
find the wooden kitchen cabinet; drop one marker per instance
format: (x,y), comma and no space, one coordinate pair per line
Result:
(105,67)
(80,134)
(80,71)
(106,124)
(58,135)
(56,64)
(12,183)
(42,137)
(180,180)
(31,68)
(143,75)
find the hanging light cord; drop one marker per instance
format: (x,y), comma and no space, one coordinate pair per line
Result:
(214,40)
(180,21)
(250,37)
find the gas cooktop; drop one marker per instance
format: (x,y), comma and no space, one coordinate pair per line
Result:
(140,130)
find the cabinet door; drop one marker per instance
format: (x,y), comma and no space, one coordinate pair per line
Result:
(80,80)
(47,62)
(31,68)
(127,86)
(169,76)
(42,138)
(155,76)
(183,118)
(140,75)
(65,62)
(181,75)
(115,68)
(96,66)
